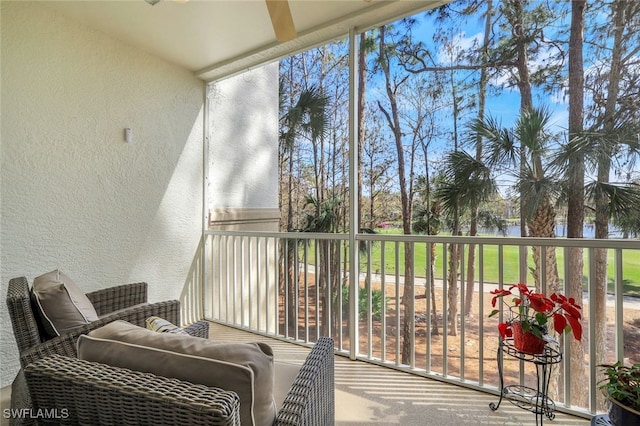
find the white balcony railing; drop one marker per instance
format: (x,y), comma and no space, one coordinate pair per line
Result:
(297,286)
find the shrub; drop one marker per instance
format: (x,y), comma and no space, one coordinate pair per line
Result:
(363,308)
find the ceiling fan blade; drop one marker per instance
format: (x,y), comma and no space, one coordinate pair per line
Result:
(281,19)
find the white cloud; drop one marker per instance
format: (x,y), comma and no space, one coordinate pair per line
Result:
(449,53)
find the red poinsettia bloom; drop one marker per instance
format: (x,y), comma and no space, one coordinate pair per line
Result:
(534,310)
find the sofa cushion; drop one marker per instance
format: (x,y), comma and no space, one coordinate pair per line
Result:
(245,368)
(285,374)
(161,325)
(60,303)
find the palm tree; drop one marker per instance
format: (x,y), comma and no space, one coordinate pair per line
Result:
(536,186)
(326,218)
(306,118)
(466,183)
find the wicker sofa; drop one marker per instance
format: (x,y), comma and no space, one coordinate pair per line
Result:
(73,391)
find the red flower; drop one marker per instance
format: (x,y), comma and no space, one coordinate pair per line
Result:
(498,293)
(505,330)
(534,309)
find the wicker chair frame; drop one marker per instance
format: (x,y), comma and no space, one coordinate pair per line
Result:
(126,302)
(94,393)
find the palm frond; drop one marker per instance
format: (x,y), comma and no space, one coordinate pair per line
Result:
(500,148)
(536,189)
(624,198)
(489,220)
(531,129)
(472,177)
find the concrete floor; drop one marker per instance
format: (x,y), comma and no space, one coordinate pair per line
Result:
(368,394)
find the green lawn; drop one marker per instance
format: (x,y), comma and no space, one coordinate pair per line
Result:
(630,261)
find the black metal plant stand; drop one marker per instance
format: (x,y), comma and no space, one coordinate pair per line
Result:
(527,398)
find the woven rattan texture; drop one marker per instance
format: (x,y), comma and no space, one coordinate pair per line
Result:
(198,329)
(97,394)
(311,400)
(66,344)
(25,327)
(126,300)
(117,298)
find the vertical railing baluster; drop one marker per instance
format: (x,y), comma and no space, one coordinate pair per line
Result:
(255,289)
(228,279)
(327,291)
(592,331)
(220,277)
(412,296)
(480,248)
(271,287)
(306,291)
(255,277)
(296,302)
(383,319)
(427,294)
(619,306)
(397,287)
(445,310)
(461,310)
(340,330)
(566,356)
(286,302)
(245,278)
(501,286)
(369,303)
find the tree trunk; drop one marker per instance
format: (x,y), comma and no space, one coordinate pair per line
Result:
(619,8)
(542,224)
(575,188)
(524,83)
(473,226)
(393,119)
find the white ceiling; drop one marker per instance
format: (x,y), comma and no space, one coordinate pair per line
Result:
(217,38)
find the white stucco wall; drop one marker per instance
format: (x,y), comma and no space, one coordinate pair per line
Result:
(74,195)
(243,149)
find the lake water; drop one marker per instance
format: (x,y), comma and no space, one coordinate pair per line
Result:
(589,231)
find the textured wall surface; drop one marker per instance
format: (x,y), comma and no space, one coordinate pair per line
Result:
(74,195)
(243,150)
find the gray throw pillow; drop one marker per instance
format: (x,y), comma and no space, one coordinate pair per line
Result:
(60,303)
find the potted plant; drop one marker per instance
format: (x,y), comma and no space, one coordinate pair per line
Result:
(530,314)
(621,386)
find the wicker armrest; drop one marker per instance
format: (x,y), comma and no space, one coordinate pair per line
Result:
(82,392)
(198,329)
(66,344)
(117,298)
(311,400)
